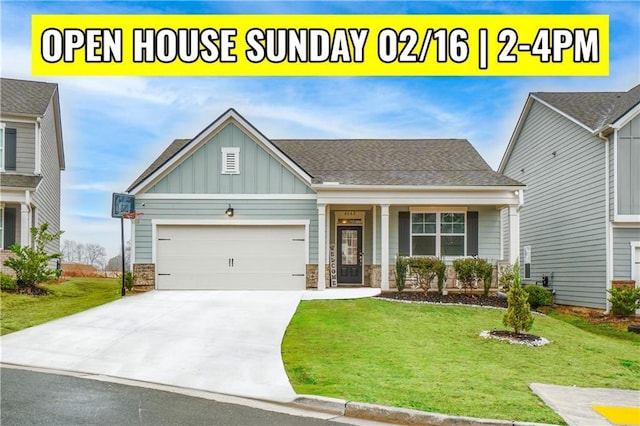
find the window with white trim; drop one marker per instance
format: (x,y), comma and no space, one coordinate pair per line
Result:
(230,161)
(438,234)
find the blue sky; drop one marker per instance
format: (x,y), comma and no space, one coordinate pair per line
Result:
(115,126)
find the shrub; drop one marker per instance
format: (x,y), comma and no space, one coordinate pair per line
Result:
(538,296)
(470,270)
(518,315)
(624,301)
(401,272)
(506,278)
(129,280)
(441,272)
(425,269)
(7,282)
(31,263)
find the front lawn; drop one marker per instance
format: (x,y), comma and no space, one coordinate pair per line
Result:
(430,358)
(18,311)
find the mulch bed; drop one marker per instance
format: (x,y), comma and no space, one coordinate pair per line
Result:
(32,291)
(451,298)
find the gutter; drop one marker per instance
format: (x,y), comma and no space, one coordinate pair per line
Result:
(608,232)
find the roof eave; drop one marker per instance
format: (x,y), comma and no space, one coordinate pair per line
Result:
(415,188)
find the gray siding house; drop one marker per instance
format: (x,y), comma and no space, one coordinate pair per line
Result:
(31,159)
(232,209)
(579,155)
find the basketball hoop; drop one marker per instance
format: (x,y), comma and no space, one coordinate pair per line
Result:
(132,215)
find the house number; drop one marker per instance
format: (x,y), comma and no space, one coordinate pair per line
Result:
(349,213)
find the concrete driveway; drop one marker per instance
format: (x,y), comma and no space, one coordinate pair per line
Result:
(226,342)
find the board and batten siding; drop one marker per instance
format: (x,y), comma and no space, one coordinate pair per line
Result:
(260,172)
(628,168)
(25,145)
(563,218)
(47,198)
(622,238)
(200,210)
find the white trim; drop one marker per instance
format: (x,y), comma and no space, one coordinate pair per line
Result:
(627,118)
(404,198)
(567,116)
(607,229)
(374,253)
(206,222)
(626,218)
(224,167)
(168,196)
(634,245)
(2,146)
(2,225)
(438,209)
(15,119)
(341,214)
(205,135)
(38,147)
(501,234)
(415,188)
(615,174)
(384,249)
(438,234)
(132,251)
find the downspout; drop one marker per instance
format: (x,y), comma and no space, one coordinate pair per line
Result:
(608,233)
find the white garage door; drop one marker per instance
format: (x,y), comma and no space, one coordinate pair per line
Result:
(230,257)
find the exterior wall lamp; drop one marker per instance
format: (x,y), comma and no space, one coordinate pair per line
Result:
(229,211)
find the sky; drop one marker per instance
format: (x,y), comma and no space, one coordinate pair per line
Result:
(114,127)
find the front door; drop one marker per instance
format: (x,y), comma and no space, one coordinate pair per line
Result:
(350,254)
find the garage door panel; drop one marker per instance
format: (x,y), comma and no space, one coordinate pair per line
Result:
(230,257)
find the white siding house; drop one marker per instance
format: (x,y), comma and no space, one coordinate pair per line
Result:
(579,155)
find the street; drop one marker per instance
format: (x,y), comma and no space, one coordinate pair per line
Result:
(33,398)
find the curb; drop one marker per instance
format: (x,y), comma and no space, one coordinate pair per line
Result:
(395,415)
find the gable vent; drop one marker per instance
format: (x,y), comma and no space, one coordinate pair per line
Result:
(230,161)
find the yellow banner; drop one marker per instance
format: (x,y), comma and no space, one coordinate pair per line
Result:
(320,45)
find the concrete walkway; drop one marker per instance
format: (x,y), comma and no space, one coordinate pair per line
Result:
(218,341)
(576,405)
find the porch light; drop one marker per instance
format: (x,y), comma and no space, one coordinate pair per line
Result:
(229,211)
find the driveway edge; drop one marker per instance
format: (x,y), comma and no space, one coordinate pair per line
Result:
(395,415)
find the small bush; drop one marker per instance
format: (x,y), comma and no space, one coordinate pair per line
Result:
(425,269)
(129,280)
(624,301)
(518,315)
(7,282)
(441,271)
(538,296)
(401,272)
(470,270)
(506,278)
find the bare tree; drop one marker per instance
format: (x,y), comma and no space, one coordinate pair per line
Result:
(95,255)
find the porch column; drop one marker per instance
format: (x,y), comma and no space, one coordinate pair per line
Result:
(25,225)
(322,243)
(514,234)
(384,249)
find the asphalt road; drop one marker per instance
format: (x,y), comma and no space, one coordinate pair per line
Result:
(32,398)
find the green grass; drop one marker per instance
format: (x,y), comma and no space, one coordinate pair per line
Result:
(604,329)
(19,311)
(431,358)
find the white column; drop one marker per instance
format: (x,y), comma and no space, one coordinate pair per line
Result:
(384,251)
(25,225)
(514,234)
(375,236)
(322,243)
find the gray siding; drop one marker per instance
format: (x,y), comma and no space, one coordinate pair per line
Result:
(611,176)
(628,170)
(214,210)
(260,172)
(25,146)
(506,235)
(622,237)
(563,218)
(47,197)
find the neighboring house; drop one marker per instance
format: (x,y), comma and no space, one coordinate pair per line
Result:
(31,159)
(579,155)
(233,209)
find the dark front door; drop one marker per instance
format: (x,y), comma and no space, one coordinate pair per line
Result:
(350,254)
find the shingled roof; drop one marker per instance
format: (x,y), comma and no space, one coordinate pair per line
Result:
(593,109)
(406,162)
(13,180)
(22,97)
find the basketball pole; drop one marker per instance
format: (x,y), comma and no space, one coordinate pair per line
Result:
(122,251)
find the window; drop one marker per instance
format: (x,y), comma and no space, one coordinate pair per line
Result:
(527,261)
(230,161)
(438,234)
